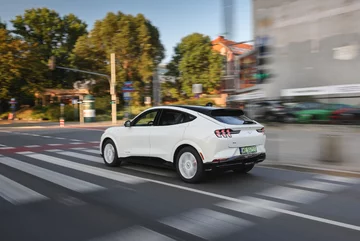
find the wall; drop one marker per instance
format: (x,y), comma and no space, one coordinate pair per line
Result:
(305,35)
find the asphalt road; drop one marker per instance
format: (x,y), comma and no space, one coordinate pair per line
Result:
(54,186)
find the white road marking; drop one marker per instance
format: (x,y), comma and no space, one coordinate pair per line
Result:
(255,211)
(82,156)
(2,145)
(60,138)
(339,179)
(292,194)
(47,136)
(55,144)
(32,146)
(148,170)
(24,152)
(6,148)
(316,185)
(135,233)
(35,135)
(95,142)
(76,143)
(91,151)
(51,176)
(53,150)
(207,224)
(88,169)
(17,193)
(74,140)
(78,148)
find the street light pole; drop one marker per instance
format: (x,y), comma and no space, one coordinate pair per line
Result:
(112,88)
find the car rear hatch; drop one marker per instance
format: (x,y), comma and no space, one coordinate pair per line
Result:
(238,129)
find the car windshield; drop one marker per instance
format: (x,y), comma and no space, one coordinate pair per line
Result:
(231,117)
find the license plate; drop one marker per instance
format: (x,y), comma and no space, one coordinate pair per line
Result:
(248,149)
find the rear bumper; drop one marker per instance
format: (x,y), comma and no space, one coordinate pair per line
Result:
(235,162)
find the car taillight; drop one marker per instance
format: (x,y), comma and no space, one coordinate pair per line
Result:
(262,130)
(226,133)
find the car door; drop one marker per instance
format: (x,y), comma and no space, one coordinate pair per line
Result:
(169,132)
(135,139)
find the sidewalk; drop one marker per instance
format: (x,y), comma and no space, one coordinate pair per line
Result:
(43,124)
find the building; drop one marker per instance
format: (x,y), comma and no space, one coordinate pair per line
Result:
(232,52)
(314,48)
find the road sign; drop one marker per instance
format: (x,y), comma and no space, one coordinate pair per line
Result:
(128,83)
(127,89)
(197,88)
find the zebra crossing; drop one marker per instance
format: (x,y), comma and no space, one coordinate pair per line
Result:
(221,218)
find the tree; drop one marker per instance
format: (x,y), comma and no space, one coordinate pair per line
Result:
(135,42)
(14,54)
(194,62)
(49,34)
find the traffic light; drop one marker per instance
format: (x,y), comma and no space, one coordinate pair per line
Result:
(263,59)
(52,64)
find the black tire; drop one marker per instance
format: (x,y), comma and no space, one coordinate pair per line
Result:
(115,160)
(245,169)
(200,167)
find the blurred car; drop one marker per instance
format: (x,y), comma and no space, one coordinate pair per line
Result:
(266,111)
(192,139)
(321,114)
(292,111)
(346,116)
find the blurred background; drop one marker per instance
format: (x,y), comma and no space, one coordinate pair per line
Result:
(287,63)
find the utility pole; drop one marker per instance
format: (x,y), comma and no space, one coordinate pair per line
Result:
(112,89)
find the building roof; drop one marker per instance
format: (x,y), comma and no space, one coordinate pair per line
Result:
(220,42)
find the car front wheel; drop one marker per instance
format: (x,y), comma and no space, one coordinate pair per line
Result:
(189,165)
(110,154)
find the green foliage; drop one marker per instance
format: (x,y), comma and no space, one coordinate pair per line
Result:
(194,62)
(137,47)
(49,34)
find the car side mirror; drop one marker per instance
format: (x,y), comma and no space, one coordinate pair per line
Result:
(127,123)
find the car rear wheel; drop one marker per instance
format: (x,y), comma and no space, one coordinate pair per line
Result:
(189,165)
(245,169)
(110,154)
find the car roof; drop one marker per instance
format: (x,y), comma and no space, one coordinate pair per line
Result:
(206,110)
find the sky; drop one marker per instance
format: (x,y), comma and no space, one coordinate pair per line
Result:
(174,18)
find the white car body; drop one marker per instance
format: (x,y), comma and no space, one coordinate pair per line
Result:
(164,141)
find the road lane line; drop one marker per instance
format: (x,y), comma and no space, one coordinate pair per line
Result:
(95,142)
(92,151)
(51,176)
(32,146)
(17,193)
(60,138)
(2,145)
(339,179)
(24,152)
(53,150)
(57,144)
(206,223)
(76,143)
(78,148)
(35,135)
(280,210)
(74,140)
(316,185)
(81,156)
(117,176)
(255,211)
(6,148)
(135,233)
(292,194)
(47,136)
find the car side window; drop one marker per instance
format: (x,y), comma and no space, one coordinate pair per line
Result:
(173,117)
(147,119)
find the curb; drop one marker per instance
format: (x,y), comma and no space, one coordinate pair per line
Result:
(313,169)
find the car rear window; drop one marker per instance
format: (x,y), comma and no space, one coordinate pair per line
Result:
(231,117)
